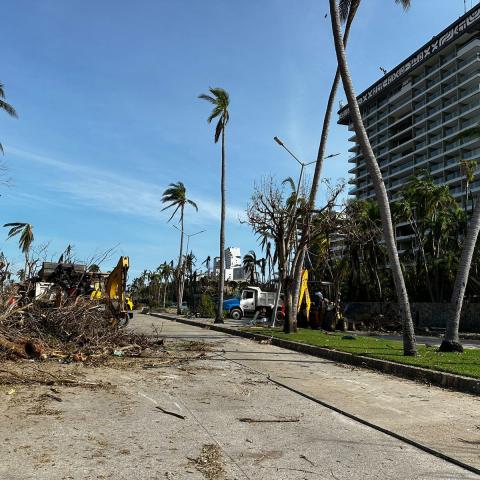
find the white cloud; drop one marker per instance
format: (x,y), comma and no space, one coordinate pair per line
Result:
(111,192)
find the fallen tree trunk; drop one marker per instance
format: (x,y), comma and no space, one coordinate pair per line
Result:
(23,348)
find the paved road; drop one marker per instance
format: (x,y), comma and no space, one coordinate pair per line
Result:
(119,434)
(443,420)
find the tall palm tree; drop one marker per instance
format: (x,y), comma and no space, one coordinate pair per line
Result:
(25,231)
(166,273)
(348,14)
(409,343)
(220,100)
(175,196)
(5,107)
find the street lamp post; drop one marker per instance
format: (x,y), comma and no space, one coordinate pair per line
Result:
(188,235)
(182,268)
(302,167)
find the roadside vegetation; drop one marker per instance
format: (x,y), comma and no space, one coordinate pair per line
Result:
(466,363)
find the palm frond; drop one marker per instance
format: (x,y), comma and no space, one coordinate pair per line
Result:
(218,130)
(208,98)
(215,113)
(222,96)
(290,182)
(404,3)
(193,204)
(26,234)
(8,108)
(174,212)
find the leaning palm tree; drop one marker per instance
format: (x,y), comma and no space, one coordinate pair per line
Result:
(5,107)
(409,343)
(25,231)
(175,196)
(451,341)
(220,100)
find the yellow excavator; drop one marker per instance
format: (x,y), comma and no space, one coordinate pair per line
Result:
(114,291)
(304,294)
(57,282)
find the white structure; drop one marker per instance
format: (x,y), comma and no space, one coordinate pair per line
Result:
(232,257)
(233,265)
(414,114)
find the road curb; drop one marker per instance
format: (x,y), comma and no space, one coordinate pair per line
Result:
(440,379)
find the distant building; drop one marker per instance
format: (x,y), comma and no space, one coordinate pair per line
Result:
(236,274)
(233,265)
(216,265)
(233,257)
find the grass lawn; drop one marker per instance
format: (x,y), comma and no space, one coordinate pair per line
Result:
(467,363)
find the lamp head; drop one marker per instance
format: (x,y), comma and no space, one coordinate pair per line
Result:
(278,141)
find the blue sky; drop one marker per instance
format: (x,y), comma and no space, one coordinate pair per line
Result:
(106,93)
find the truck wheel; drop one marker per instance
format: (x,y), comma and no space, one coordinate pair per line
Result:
(236,314)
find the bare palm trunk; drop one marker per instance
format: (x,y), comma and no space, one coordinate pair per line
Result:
(180,268)
(293,291)
(221,280)
(451,342)
(409,343)
(319,164)
(27,266)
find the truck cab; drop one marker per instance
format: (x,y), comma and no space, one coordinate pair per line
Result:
(249,301)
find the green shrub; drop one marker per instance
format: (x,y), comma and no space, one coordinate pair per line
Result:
(206,307)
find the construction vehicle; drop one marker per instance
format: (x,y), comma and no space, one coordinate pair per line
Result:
(251,300)
(58,282)
(114,291)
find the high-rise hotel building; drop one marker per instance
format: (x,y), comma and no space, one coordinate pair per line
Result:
(414,114)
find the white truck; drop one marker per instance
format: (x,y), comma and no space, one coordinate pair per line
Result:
(251,300)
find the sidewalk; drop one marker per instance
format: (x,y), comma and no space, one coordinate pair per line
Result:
(443,420)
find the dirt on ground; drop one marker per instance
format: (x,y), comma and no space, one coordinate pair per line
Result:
(185,412)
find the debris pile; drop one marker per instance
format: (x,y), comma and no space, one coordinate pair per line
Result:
(210,463)
(76,331)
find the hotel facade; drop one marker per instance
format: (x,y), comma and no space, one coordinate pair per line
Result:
(415,113)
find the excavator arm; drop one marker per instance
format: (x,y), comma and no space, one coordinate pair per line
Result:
(115,290)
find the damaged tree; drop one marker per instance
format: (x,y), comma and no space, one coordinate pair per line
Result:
(272,213)
(175,196)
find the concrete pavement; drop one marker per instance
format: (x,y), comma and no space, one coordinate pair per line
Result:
(444,420)
(118,433)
